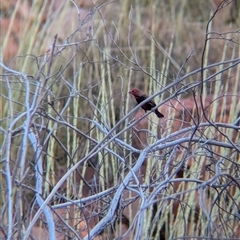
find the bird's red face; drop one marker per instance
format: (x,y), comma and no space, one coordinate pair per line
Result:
(134,92)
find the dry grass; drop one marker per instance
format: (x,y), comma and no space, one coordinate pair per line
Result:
(64,87)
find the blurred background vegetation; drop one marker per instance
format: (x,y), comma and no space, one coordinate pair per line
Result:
(80,58)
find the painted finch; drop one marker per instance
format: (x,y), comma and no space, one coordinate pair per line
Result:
(141,96)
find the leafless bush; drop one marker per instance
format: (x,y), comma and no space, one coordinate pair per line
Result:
(79,161)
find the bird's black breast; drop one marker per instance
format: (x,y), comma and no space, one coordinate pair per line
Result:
(140,99)
(148,105)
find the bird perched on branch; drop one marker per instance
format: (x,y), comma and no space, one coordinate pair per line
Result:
(140,97)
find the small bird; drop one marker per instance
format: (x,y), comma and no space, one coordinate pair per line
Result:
(141,96)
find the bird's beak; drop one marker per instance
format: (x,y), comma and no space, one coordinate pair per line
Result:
(130,92)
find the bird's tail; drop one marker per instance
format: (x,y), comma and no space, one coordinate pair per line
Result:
(159,115)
